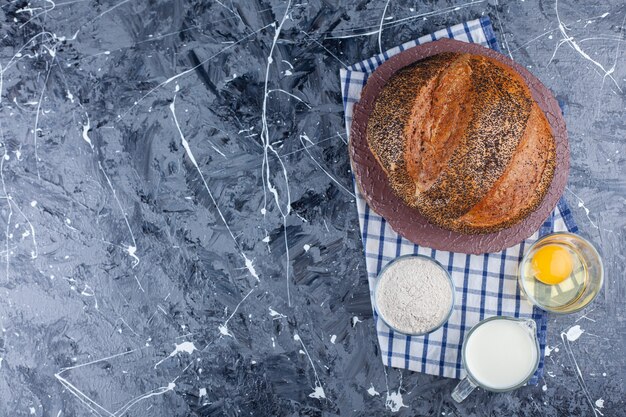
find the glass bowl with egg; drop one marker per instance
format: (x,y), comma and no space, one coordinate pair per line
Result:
(414,295)
(561,272)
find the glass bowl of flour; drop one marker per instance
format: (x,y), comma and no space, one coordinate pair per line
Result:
(414,295)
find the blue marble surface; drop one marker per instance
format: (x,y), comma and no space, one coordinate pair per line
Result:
(176,235)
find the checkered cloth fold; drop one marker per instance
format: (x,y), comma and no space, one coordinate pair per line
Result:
(486,285)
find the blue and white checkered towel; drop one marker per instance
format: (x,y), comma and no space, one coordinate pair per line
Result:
(486,285)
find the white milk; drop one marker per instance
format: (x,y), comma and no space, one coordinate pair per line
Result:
(500,354)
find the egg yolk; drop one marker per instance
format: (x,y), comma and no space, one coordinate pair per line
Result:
(552,264)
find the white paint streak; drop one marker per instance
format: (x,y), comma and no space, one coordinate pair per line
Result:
(276,314)
(571,41)
(153,393)
(10,214)
(131,252)
(35,252)
(306,137)
(267,148)
(82,397)
(398,22)
(579,375)
(372,391)
(36,129)
(223,328)
(581,204)
(499,20)
(248,263)
(380,28)
(549,350)
(89,292)
(97,17)
(250,267)
(190,70)
(584,316)
(306,149)
(185,347)
(217,150)
(86,128)
(318,390)
(278,90)
(394,401)
(132,249)
(139,283)
(573,333)
(325,48)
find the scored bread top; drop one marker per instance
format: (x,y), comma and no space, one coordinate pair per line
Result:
(462,141)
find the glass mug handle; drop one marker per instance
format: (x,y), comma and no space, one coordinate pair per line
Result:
(463,390)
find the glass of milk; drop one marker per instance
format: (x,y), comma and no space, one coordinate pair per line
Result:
(499,354)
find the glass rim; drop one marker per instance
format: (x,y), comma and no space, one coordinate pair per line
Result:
(551,309)
(444,319)
(474,380)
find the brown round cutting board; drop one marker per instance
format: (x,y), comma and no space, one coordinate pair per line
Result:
(407,222)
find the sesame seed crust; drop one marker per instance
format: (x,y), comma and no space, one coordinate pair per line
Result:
(463,142)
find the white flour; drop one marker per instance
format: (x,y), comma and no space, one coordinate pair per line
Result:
(413,295)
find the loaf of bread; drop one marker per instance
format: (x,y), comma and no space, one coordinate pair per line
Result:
(463,142)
